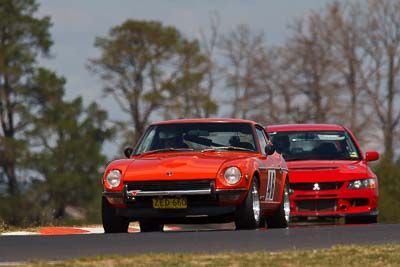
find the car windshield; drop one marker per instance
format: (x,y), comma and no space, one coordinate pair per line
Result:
(206,136)
(315,145)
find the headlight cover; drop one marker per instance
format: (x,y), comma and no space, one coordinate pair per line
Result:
(113,178)
(232,175)
(369,183)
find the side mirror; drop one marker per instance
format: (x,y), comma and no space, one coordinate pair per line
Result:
(128,152)
(269,149)
(371,156)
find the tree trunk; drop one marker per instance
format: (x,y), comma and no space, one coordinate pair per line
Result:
(9,170)
(388,153)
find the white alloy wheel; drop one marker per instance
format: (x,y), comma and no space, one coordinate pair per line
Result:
(286,203)
(256,203)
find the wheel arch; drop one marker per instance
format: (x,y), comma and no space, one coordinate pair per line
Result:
(284,179)
(255,174)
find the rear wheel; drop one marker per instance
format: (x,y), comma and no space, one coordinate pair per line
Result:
(281,218)
(361,219)
(147,226)
(112,223)
(248,214)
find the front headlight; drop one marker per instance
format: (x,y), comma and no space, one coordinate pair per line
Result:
(232,175)
(113,178)
(369,183)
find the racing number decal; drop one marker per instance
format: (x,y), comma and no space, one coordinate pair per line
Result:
(271,185)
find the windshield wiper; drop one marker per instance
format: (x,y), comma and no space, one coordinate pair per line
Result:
(217,148)
(169,149)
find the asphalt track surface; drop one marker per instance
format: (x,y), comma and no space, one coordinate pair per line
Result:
(60,247)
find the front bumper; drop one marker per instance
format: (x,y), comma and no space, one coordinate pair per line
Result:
(334,203)
(203,205)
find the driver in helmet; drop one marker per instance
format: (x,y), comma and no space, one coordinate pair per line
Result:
(173,141)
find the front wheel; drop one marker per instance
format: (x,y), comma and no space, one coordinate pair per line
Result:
(112,223)
(248,214)
(281,218)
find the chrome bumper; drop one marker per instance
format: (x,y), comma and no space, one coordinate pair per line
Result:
(129,195)
(140,193)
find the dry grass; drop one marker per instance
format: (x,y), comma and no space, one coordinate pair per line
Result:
(382,255)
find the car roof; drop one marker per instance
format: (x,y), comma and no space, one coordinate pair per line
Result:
(200,120)
(304,127)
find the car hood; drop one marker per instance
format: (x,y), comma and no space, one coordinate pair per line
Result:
(326,171)
(175,166)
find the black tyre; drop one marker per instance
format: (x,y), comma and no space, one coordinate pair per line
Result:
(281,218)
(361,219)
(112,223)
(248,214)
(147,226)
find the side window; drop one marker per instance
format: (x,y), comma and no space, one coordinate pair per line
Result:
(145,145)
(262,139)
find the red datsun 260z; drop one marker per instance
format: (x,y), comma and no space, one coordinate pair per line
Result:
(198,171)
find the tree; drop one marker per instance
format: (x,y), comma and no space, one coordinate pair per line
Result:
(241,48)
(22,38)
(49,149)
(66,145)
(280,79)
(188,97)
(347,62)
(345,24)
(389,190)
(312,68)
(209,45)
(276,97)
(62,162)
(149,68)
(383,46)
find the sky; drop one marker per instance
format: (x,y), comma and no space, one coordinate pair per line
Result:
(76,24)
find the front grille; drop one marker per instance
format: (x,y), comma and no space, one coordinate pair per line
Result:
(312,186)
(316,205)
(169,185)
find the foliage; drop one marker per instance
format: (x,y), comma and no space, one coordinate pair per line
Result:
(244,53)
(69,140)
(22,38)
(339,65)
(64,161)
(150,68)
(50,148)
(389,191)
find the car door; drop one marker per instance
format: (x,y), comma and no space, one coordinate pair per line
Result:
(269,171)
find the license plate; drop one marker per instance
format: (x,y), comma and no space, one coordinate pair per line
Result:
(170,203)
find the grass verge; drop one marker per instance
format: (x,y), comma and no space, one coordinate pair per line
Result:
(379,255)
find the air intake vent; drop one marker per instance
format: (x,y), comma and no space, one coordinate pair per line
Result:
(312,186)
(169,185)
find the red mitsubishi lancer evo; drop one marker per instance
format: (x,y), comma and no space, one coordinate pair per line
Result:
(329,174)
